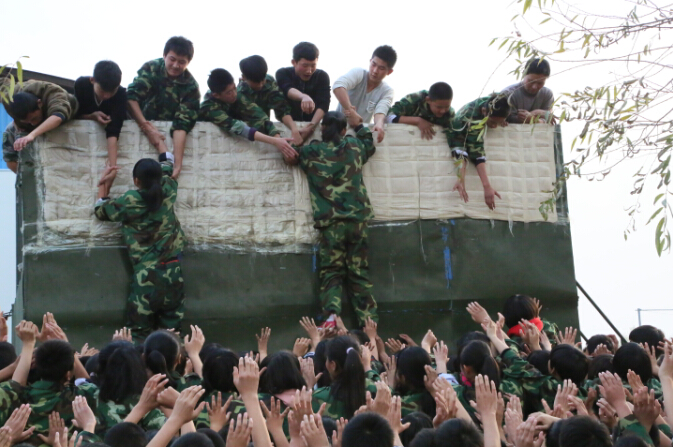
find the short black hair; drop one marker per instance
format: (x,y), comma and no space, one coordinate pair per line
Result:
(582,431)
(596,340)
(194,439)
(219,80)
(108,75)
(125,434)
(283,372)
(218,371)
(368,430)
(458,433)
(569,363)
(214,436)
(386,54)
(648,334)
(440,91)
(21,105)
(632,356)
(418,421)
(519,307)
(254,68)
(424,438)
(7,354)
(305,50)
(537,66)
(180,46)
(498,106)
(598,364)
(540,360)
(54,359)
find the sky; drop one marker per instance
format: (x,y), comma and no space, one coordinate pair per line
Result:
(435,41)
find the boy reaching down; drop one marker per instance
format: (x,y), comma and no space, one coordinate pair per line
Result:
(426,109)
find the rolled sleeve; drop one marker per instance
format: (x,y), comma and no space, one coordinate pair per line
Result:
(350,79)
(186,117)
(385,103)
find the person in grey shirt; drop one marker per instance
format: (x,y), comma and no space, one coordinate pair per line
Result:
(362,94)
(529,99)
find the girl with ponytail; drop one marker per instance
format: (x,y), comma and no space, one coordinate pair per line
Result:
(341,211)
(155,241)
(475,358)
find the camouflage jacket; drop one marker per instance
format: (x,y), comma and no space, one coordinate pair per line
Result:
(334,174)
(468,128)
(415,105)
(164,99)
(55,100)
(269,97)
(151,238)
(549,328)
(184,382)
(9,136)
(110,413)
(413,402)
(629,426)
(45,397)
(242,118)
(335,408)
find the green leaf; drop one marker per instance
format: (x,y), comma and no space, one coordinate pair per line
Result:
(526,5)
(12,84)
(19,71)
(545,20)
(656,199)
(654,215)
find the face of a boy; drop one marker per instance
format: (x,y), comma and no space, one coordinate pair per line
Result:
(34,118)
(175,65)
(256,86)
(228,95)
(439,107)
(533,83)
(101,94)
(378,70)
(304,69)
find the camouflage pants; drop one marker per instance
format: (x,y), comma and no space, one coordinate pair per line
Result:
(157,299)
(343,258)
(9,136)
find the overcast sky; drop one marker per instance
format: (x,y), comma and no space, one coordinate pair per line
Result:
(435,41)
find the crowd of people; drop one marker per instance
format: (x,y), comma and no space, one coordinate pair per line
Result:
(515,381)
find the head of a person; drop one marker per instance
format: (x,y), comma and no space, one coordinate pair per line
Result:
(125,434)
(214,437)
(519,307)
(458,433)
(540,360)
(91,367)
(305,60)
(253,71)
(598,364)
(411,363)
(209,348)
(497,110)
(222,86)
(382,62)
(54,361)
(348,375)
(124,375)
(7,354)
(596,340)
(368,430)
(161,352)
(107,76)
(147,175)
(25,108)
(283,373)
(178,53)
(439,98)
(359,335)
(334,126)
(418,421)
(424,438)
(568,362)
(632,356)
(536,73)
(476,358)
(463,341)
(554,432)
(319,362)
(631,441)
(583,431)
(648,334)
(218,371)
(195,439)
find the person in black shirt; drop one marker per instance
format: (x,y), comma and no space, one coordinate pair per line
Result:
(101,99)
(306,88)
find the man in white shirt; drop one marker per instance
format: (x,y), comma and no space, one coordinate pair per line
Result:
(362,94)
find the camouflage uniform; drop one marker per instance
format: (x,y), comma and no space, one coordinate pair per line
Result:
(184,382)
(415,105)
(164,99)
(465,395)
(110,413)
(269,97)
(9,136)
(155,242)
(45,397)
(549,328)
(242,118)
(341,210)
(335,408)
(468,126)
(629,426)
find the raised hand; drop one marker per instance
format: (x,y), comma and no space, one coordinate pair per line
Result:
(263,342)
(217,411)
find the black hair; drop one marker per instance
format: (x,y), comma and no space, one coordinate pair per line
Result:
(458,433)
(305,50)
(329,425)
(498,106)
(108,75)
(194,439)
(634,357)
(283,372)
(92,366)
(386,54)
(569,363)
(214,436)
(463,341)
(440,91)
(149,173)
(219,79)
(54,359)
(596,340)
(180,46)
(583,431)
(648,334)
(348,382)
(598,364)
(218,371)
(124,375)
(161,353)
(319,359)
(477,355)
(333,123)
(519,307)
(209,348)
(411,364)
(254,68)
(540,360)
(108,350)
(368,430)
(537,66)
(21,105)
(424,438)
(552,439)
(418,421)
(7,354)
(360,336)
(125,434)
